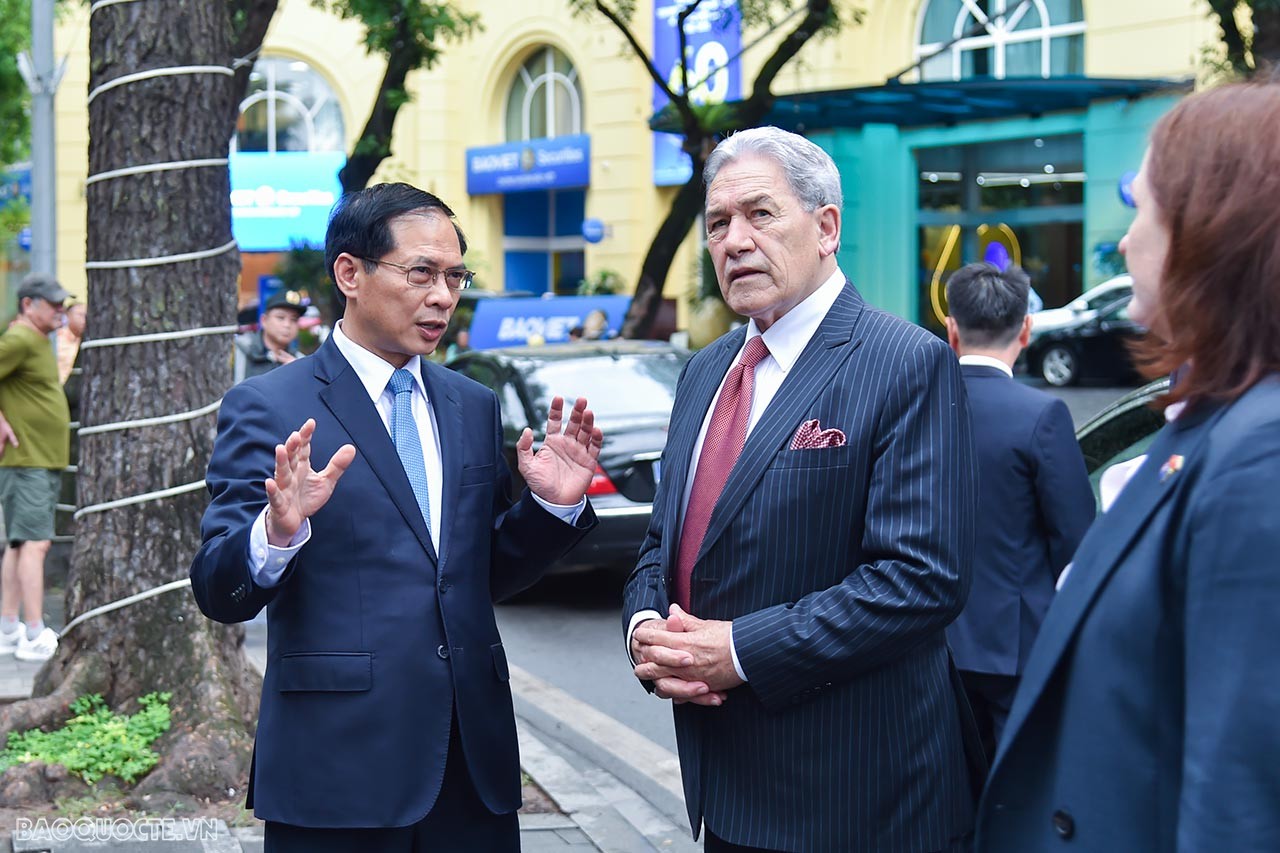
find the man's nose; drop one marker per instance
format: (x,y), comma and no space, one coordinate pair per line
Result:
(738,237)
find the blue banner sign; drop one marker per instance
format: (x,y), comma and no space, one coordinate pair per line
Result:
(511,322)
(536,164)
(713,40)
(15,183)
(283,198)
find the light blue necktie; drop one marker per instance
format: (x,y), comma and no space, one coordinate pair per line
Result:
(404,432)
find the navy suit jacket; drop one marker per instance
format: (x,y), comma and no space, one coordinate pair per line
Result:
(375,639)
(1034,506)
(840,568)
(1146,716)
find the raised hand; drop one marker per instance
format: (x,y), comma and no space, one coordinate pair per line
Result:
(561,470)
(297,492)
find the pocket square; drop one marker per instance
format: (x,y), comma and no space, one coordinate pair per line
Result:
(810,436)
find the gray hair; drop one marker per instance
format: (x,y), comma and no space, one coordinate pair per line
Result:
(809,170)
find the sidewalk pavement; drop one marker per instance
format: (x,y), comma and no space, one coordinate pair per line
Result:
(599,812)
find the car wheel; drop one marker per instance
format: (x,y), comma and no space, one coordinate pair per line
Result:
(1059,366)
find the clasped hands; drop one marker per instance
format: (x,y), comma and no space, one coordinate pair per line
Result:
(687,658)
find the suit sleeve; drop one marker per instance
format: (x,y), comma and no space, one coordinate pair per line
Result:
(1063,493)
(526,538)
(646,587)
(243,457)
(918,531)
(1230,795)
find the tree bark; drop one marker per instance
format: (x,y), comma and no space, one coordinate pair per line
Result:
(662,252)
(163,643)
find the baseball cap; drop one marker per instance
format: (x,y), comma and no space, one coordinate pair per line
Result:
(43,286)
(286,299)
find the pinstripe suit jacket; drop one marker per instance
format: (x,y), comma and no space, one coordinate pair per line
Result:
(840,568)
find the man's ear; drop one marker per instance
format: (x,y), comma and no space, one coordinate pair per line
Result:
(953,334)
(828,230)
(1024,336)
(345,274)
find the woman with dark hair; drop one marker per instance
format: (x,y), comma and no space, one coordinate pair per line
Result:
(1148,717)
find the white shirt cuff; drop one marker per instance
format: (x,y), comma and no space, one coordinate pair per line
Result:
(641,616)
(733,653)
(568,513)
(267,562)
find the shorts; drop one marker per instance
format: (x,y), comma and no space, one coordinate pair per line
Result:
(29,499)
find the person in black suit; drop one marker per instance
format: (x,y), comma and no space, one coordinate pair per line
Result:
(810,540)
(1146,719)
(1034,498)
(386,721)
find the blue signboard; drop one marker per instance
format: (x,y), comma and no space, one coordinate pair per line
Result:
(283,198)
(536,164)
(15,183)
(713,40)
(511,322)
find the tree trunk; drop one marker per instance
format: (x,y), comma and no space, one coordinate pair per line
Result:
(662,252)
(374,144)
(163,643)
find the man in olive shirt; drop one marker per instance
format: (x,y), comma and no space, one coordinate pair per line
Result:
(34,449)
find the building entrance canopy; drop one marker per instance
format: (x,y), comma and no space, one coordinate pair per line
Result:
(952,102)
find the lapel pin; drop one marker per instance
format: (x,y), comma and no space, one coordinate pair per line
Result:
(1171,467)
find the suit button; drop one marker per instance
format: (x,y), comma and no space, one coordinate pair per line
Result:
(1064,824)
(444,587)
(442,652)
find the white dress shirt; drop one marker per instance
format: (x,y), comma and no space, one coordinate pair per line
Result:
(267,562)
(786,339)
(987,361)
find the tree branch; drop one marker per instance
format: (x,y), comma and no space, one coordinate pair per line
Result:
(761,99)
(681,103)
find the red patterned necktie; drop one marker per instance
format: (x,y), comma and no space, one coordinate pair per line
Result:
(726,434)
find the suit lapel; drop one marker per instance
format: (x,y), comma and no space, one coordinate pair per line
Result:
(826,351)
(703,379)
(1101,552)
(448,411)
(349,403)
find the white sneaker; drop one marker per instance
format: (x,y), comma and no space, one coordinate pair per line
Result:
(39,649)
(9,639)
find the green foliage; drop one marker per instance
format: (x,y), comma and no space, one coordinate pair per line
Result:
(15,100)
(408,28)
(96,742)
(600,282)
(14,216)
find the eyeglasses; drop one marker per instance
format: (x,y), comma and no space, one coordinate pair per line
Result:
(420,276)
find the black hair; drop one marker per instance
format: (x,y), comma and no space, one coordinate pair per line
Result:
(987,304)
(360,223)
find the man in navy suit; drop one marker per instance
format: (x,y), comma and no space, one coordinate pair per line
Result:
(810,540)
(1034,499)
(386,721)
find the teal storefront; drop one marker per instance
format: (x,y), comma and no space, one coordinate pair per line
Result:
(937,174)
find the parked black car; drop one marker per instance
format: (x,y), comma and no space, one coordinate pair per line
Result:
(1121,431)
(1092,347)
(630,385)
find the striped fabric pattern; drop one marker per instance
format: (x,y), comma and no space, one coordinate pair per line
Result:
(840,568)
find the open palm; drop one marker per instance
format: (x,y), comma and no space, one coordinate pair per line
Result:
(561,470)
(297,492)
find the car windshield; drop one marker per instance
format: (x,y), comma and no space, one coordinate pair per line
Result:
(615,386)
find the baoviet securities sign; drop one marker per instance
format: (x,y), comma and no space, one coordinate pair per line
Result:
(535,164)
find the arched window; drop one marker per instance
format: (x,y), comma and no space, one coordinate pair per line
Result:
(1000,38)
(289,108)
(544,100)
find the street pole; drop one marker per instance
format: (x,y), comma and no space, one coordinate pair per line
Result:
(42,80)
